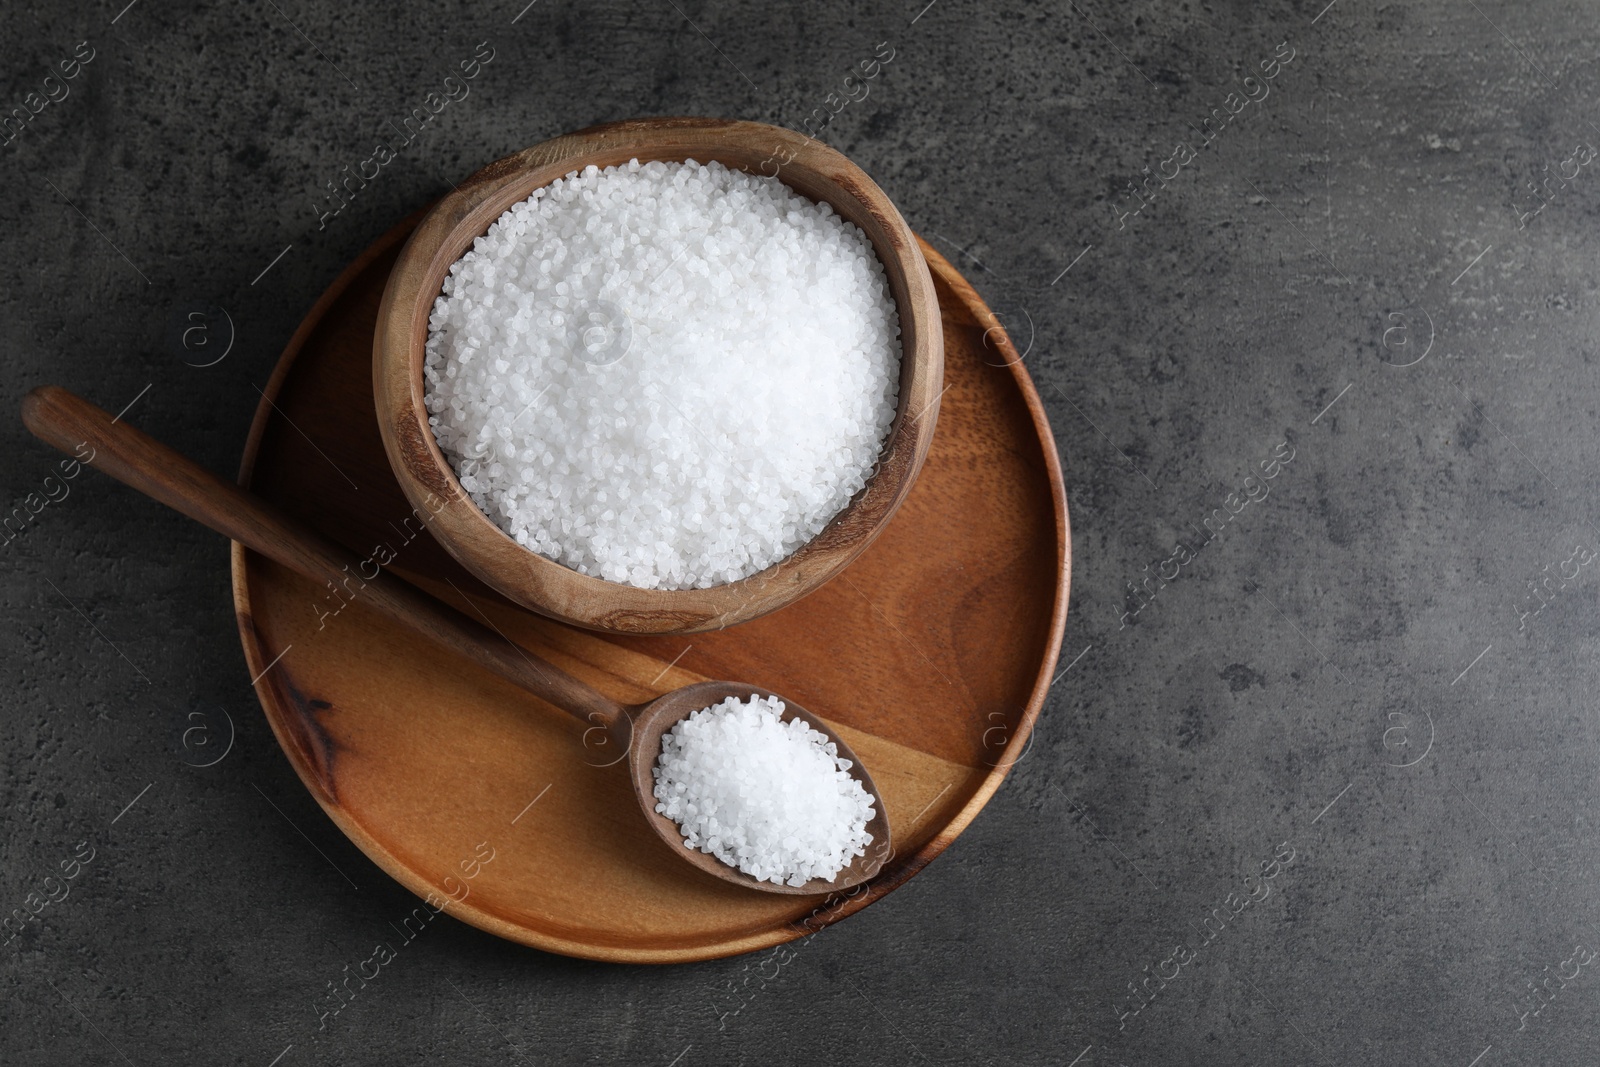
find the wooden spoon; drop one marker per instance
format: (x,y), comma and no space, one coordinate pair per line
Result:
(66,421)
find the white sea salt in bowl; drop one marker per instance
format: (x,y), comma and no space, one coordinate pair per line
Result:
(697,573)
(670,375)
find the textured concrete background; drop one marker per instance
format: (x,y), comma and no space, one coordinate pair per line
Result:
(1349,689)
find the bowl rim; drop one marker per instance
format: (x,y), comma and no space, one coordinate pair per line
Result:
(551,588)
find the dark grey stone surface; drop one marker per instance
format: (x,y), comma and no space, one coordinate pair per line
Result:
(1339,685)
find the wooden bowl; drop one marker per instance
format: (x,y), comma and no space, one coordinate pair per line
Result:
(551,588)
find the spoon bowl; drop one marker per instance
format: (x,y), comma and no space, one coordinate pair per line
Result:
(650,721)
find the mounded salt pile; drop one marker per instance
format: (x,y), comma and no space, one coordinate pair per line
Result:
(771,798)
(671,374)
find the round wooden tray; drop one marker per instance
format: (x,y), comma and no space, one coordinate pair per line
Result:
(931,654)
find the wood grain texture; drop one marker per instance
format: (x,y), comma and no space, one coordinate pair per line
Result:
(930,655)
(540,584)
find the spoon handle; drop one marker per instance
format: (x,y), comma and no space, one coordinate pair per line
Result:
(69,422)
